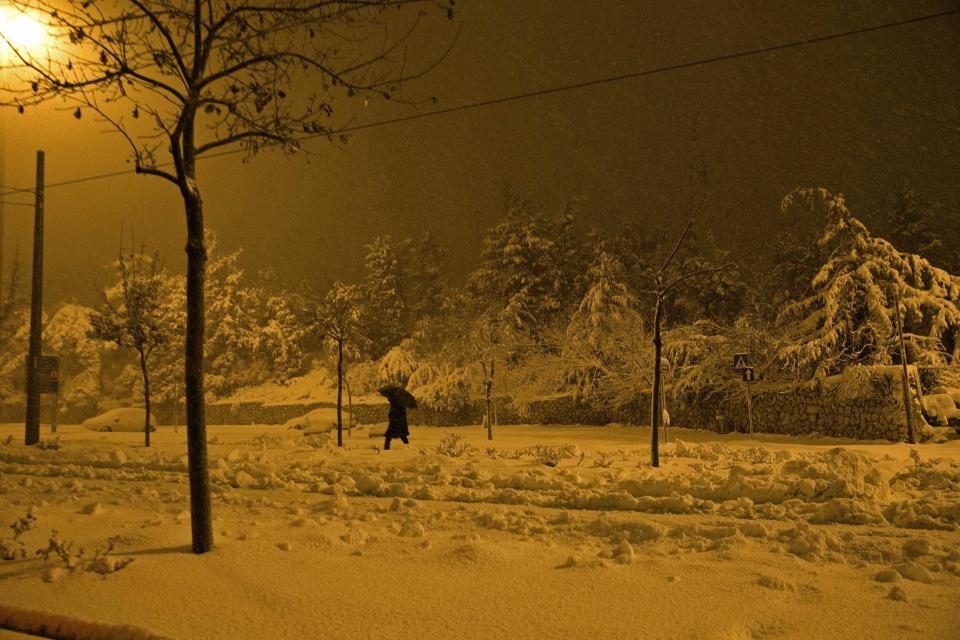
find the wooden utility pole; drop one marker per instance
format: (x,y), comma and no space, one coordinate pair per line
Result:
(907,405)
(32,427)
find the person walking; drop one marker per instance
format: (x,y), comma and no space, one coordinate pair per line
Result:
(396,425)
(400,399)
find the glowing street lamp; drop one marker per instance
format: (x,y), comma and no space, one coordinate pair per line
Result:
(19,29)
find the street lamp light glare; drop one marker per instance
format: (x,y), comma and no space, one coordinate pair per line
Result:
(21,30)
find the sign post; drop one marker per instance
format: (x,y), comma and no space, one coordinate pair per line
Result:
(748,378)
(741,364)
(48,381)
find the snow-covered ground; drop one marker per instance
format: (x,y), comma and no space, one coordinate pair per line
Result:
(546,532)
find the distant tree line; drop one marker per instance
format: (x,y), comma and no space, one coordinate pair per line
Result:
(554,307)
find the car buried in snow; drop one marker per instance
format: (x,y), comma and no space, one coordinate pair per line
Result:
(128,419)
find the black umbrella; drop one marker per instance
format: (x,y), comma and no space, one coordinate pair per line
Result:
(398,395)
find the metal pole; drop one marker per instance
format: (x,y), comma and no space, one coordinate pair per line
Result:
(749,409)
(56,409)
(32,430)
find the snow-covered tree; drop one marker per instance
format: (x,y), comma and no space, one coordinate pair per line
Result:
(132,314)
(13,314)
(594,335)
(337,318)
(253,334)
(527,273)
(384,307)
(398,364)
(424,281)
(849,317)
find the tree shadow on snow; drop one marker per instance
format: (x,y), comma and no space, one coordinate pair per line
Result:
(157,551)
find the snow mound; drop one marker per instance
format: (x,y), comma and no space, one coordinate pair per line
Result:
(51,625)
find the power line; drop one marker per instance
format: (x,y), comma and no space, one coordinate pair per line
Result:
(553,90)
(7,203)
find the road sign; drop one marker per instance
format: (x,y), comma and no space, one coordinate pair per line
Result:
(748,374)
(741,361)
(48,373)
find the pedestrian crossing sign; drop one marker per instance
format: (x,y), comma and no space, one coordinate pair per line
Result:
(741,361)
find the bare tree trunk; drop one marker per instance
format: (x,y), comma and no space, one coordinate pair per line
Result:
(488,383)
(146,399)
(656,411)
(349,407)
(907,404)
(340,391)
(201,517)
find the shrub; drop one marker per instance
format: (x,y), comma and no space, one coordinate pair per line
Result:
(453,445)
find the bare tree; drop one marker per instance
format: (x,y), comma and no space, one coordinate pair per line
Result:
(181,79)
(134,316)
(337,319)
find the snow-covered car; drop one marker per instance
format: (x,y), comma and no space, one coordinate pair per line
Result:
(120,419)
(318,421)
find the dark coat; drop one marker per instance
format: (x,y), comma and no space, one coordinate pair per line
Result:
(397,421)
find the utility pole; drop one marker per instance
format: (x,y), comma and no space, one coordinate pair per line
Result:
(32,430)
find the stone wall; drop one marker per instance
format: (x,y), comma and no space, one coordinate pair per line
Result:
(556,410)
(864,403)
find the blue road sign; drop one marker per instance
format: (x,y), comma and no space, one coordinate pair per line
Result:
(741,361)
(748,374)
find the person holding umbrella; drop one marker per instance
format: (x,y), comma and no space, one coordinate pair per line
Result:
(400,400)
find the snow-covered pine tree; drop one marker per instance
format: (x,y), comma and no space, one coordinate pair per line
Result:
(423,280)
(849,317)
(526,273)
(168,360)
(13,313)
(607,309)
(253,335)
(231,333)
(383,313)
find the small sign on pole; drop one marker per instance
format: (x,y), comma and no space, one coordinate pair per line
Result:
(48,381)
(48,373)
(741,361)
(748,374)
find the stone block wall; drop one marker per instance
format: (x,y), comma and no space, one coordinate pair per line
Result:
(866,404)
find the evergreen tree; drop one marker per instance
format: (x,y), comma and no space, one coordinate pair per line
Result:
(528,271)
(253,335)
(849,316)
(608,308)
(13,306)
(423,280)
(384,309)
